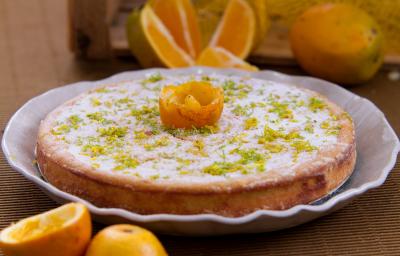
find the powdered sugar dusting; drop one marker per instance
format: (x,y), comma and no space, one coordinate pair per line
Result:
(264,126)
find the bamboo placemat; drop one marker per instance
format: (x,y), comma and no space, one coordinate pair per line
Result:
(34,58)
(368,226)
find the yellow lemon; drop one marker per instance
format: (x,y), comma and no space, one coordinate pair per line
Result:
(64,231)
(125,240)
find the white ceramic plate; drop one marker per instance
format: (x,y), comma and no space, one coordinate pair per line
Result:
(377,148)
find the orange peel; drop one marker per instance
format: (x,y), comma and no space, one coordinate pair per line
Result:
(192,104)
(64,231)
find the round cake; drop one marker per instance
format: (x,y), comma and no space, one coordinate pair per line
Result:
(275,146)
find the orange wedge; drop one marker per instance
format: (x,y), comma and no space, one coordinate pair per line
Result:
(236,30)
(210,13)
(151,42)
(64,231)
(179,17)
(219,57)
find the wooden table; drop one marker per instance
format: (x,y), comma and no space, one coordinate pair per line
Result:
(34,58)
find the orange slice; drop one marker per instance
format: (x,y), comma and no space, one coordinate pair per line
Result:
(151,42)
(210,13)
(192,104)
(219,57)
(179,17)
(64,231)
(236,30)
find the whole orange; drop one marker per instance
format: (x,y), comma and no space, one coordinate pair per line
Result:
(125,240)
(338,42)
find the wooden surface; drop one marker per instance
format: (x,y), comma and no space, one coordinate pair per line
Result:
(34,57)
(89,22)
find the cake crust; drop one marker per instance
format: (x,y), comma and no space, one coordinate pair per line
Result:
(233,203)
(312,179)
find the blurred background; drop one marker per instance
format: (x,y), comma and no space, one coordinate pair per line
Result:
(48,43)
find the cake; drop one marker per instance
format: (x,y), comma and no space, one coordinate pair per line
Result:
(275,146)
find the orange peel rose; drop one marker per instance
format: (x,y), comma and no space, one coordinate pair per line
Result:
(191,104)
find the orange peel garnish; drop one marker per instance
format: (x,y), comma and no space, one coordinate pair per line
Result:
(191,104)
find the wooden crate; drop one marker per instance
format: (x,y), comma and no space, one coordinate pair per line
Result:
(97,27)
(97,31)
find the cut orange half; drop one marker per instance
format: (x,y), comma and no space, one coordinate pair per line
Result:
(64,231)
(179,17)
(151,42)
(236,30)
(219,57)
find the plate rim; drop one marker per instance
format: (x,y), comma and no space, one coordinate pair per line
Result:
(326,206)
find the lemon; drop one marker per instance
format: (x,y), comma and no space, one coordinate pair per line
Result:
(64,231)
(125,240)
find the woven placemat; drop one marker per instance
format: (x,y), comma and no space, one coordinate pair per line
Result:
(368,226)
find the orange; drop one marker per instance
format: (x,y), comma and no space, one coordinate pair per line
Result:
(338,42)
(210,12)
(189,105)
(179,17)
(125,240)
(151,42)
(263,21)
(236,30)
(219,57)
(64,231)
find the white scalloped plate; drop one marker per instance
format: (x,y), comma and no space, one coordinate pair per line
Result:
(377,148)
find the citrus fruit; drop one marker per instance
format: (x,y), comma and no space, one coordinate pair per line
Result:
(262,18)
(337,42)
(192,104)
(386,14)
(219,57)
(210,13)
(64,231)
(179,17)
(236,30)
(125,240)
(151,42)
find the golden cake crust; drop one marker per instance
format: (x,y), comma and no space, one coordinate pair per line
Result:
(312,180)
